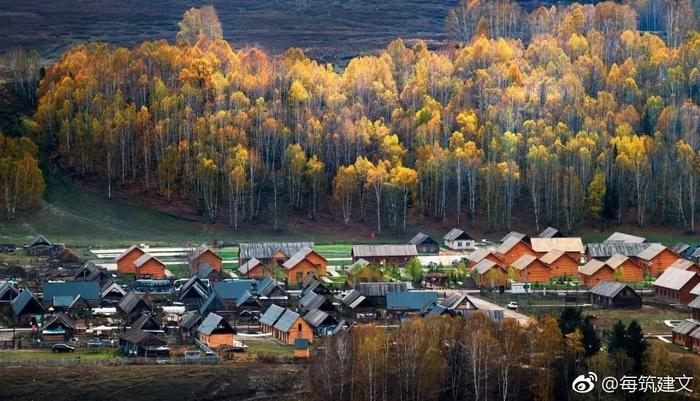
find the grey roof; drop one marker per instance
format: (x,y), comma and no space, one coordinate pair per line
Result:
(143,321)
(674,279)
(311,300)
(380,289)
(145,258)
(137,336)
(651,251)
(514,234)
(695,290)
(317,317)
(189,320)
(203,271)
(607,249)
(39,239)
(679,248)
(695,303)
(130,301)
(591,267)
(616,260)
(410,300)
(549,232)
(359,263)
(608,289)
(420,238)
(248,266)
(87,289)
(478,255)
(696,253)
(201,250)
(7,287)
(626,238)
(271,315)
(685,327)
(353,298)
(62,318)
(524,261)
(22,300)
(265,250)
(297,257)
(214,322)
(267,285)
(197,285)
(508,244)
(361,251)
(212,303)
(484,266)
(683,264)
(285,322)
(456,233)
(454,300)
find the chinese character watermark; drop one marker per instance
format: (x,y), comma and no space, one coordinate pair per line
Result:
(585,383)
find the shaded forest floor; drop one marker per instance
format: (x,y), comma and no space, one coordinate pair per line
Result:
(80,216)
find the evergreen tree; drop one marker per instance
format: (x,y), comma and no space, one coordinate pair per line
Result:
(636,345)
(591,340)
(617,338)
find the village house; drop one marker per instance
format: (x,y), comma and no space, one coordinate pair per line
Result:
(148,322)
(138,343)
(694,305)
(685,264)
(206,272)
(382,255)
(268,290)
(270,253)
(491,274)
(682,333)
(674,286)
(480,254)
(530,269)
(8,293)
(459,303)
(26,307)
(603,251)
(40,246)
(573,246)
(204,256)
(611,294)
(512,249)
(149,267)
(550,232)
(59,328)
(125,261)
(61,294)
(194,292)
(560,264)
(253,268)
(270,317)
(291,326)
(132,305)
(425,244)
(594,272)
(625,238)
(215,332)
(320,321)
(235,294)
(695,340)
(375,293)
(312,300)
(357,304)
(514,234)
(91,272)
(458,240)
(188,324)
(656,258)
(412,302)
(626,268)
(304,262)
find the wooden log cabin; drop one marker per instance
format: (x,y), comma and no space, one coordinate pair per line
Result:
(383,255)
(253,268)
(674,286)
(594,272)
(682,334)
(512,249)
(425,244)
(216,332)
(205,256)
(573,246)
(656,258)
(148,266)
(560,264)
(531,270)
(491,274)
(267,253)
(291,326)
(306,261)
(125,261)
(480,254)
(685,264)
(611,294)
(629,270)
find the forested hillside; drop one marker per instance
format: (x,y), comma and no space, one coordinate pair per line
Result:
(563,116)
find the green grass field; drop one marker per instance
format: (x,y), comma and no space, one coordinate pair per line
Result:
(47,355)
(651,319)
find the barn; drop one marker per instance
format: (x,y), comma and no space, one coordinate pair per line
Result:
(611,294)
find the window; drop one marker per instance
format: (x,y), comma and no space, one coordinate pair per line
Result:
(299,327)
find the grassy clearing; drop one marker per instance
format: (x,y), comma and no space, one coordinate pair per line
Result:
(651,319)
(268,348)
(47,355)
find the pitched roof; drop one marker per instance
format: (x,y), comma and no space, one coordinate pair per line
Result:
(478,255)
(507,245)
(128,251)
(267,285)
(651,251)
(141,337)
(695,303)
(62,300)
(674,279)
(249,265)
(62,318)
(212,303)
(233,289)
(420,238)
(271,315)
(679,248)
(266,250)
(286,320)
(203,271)
(455,234)
(608,289)
(22,300)
(683,264)
(591,267)
(189,320)
(514,234)
(201,250)
(607,249)
(87,289)
(129,302)
(145,258)
(695,290)
(549,232)
(626,238)
(297,257)
(361,251)
(410,300)
(8,288)
(316,317)
(552,256)
(566,244)
(39,239)
(214,322)
(524,261)
(616,260)
(685,327)
(484,266)
(454,300)
(359,263)
(144,321)
(380,289)
(311,300)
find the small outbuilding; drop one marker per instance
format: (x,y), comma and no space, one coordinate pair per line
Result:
(611,294)
(425,244)
(215,331)
(458,240)
(674,286)
(139,343)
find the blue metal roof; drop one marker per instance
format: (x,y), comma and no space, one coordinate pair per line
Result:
(214,322)
(62,300)
(213,303)
(86,289)
(286,321)
(271,315)
(414,300)
(22,300)
(232,289)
